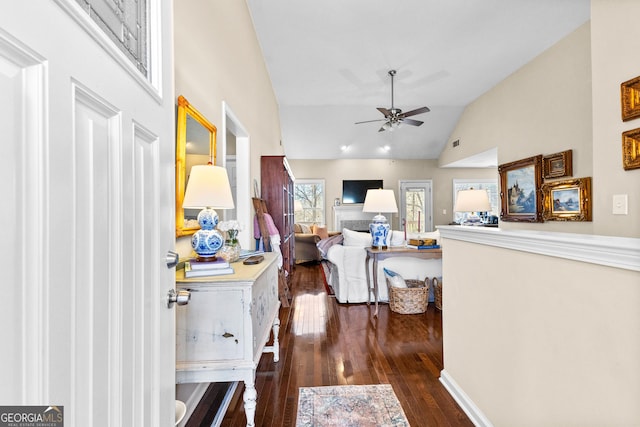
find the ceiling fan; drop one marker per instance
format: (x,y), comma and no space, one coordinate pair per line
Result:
(394,116)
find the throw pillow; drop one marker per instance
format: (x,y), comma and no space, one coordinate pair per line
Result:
(320,231)
(356,238)
(297,228)
(305,228)
(394,279)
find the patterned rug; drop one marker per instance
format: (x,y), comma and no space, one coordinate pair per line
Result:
(350,406)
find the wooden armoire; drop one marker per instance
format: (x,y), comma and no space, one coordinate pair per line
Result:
(277,181)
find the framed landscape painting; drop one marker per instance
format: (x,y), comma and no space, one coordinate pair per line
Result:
(568,200)
(631,149)
(630,99)
(558,165)
(520,185)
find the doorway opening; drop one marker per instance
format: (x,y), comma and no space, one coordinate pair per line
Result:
(235,156)
(416,212)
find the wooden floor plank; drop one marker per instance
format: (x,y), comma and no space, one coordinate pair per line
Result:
(325,343)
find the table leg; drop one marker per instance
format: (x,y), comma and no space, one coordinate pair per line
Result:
(366,269)
(250,396)
(375,282)
(276,343)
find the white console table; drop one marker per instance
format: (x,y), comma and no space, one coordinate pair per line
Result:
(223,330)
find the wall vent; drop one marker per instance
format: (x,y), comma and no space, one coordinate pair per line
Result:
(455,143)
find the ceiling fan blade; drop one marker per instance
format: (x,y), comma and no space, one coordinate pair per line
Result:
(411,122)
(369,121)
(384,111)
(414,112)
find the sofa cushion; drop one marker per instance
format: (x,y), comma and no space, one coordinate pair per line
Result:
(320,231)
(396,238)
(356,238)
(296,228)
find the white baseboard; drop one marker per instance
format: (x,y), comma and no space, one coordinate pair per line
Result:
(473,412)
(225,405)
(195,397)
(193,400)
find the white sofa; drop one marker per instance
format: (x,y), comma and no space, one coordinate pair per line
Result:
(348,275)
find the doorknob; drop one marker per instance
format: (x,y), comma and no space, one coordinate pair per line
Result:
(172,259)
(181,297)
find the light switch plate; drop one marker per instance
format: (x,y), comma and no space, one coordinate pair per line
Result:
(620,204)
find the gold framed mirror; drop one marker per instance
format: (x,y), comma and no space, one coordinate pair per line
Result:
(195,145)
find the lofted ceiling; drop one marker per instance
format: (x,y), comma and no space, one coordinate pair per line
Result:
(329,61)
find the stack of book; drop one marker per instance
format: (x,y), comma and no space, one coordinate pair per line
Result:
(195,268)
(423,244)
(245,253)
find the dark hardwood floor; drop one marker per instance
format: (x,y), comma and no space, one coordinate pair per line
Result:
(326,343)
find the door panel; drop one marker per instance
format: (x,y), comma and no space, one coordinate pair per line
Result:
(416,210)
(92,205)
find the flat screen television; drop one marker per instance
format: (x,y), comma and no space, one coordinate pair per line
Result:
(355,191)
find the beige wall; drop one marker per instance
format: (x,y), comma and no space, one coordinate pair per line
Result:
(615,44)
(538,341)
(217,58)
(391,172)
(543,108)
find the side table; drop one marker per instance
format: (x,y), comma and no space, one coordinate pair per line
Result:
(223,331)
(401,251)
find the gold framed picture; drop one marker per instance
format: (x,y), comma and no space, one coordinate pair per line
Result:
(630,99)
(631,149)
(520,194)
(567,200)
(558,165)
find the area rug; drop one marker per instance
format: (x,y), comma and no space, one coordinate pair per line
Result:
(350,406)
(326,273)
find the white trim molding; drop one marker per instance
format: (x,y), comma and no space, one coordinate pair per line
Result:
(473,412)
(611,251)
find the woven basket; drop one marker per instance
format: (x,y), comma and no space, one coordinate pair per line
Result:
(410,300)
(437,292)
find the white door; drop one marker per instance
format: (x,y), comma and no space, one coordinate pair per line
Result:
(416,212)
(87,218)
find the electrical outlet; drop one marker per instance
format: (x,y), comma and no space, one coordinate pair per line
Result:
(620,204)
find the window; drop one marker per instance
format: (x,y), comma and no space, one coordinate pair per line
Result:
(309,201)
(491,185)
(125,23)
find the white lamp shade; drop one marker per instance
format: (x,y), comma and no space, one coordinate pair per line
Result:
(472,201)
(380,201)
(208,187)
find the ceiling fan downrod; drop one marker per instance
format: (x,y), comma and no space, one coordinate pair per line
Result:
(392,73)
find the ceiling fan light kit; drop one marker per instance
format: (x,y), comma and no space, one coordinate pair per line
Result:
(394,117)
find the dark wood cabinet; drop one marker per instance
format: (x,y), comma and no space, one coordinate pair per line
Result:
(277,190)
